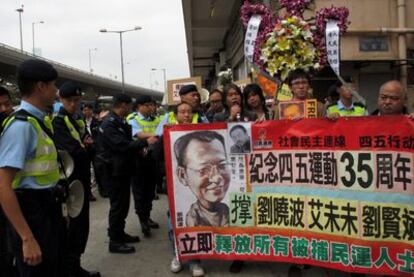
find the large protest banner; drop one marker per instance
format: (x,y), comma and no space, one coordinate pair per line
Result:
(331,194)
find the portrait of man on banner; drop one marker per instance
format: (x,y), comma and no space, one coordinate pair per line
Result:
(202,168)
(240,134)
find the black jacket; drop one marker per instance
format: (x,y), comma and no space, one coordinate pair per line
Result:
(116,147)
(64,141)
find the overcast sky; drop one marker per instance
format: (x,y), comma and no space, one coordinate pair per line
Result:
(71,28)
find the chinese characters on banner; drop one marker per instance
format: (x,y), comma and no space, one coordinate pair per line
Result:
(332,45)
(331,194)
(251,35)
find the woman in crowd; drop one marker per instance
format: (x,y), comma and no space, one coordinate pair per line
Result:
(233,106)
(255,101)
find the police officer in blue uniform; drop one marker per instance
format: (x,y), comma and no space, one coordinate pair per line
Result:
(29,173)
(6,259)
(144,125)
(70,136)
(117,149)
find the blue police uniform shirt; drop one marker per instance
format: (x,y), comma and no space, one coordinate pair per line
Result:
(342,107)
(136,128)
(18,144)
(160,128)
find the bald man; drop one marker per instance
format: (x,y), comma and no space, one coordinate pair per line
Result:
(391,99)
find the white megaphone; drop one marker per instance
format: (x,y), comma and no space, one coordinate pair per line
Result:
(67,164)
(75,198)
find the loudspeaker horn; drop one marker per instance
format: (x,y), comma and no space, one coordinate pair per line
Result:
(75,199)
(67,163)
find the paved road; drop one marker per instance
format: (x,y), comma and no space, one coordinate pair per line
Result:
(153,255)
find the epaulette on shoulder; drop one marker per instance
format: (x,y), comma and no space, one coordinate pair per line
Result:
(359,104)
(20,115)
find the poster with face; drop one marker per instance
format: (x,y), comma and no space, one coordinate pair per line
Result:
(202,175)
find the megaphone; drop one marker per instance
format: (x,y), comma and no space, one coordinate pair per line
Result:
(75,198)
(67,164)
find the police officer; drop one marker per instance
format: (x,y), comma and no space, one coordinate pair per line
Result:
(345,106)
(70,136)
(6,259)
(29,172)
(144,125)
(117,149)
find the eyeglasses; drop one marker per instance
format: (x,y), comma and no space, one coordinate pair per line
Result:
(300,82)
(222,168)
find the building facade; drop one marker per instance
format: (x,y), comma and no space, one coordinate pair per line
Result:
(378,46)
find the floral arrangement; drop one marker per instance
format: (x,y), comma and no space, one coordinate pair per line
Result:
(266,26)
(285,44)
(289,46)
(295,7)
(340,14)
(225,77)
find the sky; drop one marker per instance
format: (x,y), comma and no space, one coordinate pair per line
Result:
(71,28)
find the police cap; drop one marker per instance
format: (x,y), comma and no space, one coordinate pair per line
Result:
(69,89)
(142,99)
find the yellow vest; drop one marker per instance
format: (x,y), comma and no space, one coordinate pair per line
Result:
(73,132)
(173,120)
(44,166)
(148,126)
(357,110)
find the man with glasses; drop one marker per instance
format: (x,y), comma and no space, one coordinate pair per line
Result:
(299,84)
(216,104)
(203,168)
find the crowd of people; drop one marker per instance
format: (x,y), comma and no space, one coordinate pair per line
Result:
(124,149)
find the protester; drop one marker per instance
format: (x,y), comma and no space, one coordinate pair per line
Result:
(391,99)
(182,114)
(215,104)
(28,177)
(144,125)
(117,150)
(70,135)
(233,107)
(299,83)
(255,101)
(191,96)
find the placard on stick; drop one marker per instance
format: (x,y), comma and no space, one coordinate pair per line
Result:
(175,85)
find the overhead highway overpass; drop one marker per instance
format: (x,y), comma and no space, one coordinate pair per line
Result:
(93,84)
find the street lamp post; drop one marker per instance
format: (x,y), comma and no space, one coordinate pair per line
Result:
(90,58)
(33,34)
(164,76)
(122,55)
(20,11)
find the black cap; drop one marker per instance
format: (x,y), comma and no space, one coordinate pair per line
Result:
(69,89)
(122,98)
(142,99)
(187,89)
(36,70)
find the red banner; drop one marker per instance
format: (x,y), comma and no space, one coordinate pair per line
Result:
(330,194)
